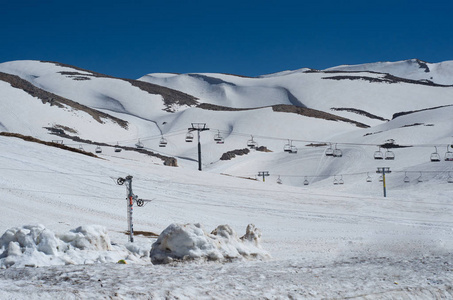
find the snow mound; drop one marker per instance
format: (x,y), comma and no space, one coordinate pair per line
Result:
(92,237)
(35,245)
(191,242)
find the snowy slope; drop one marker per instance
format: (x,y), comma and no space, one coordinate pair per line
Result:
(325,240)
(440,73)
(352,94)
(351,239)
(369,92)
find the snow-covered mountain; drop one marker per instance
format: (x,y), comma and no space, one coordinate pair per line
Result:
(367,104)
(326,222)
(415,69)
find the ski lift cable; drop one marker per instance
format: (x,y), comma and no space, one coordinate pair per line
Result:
(448,171)
(236,133)
(350,174)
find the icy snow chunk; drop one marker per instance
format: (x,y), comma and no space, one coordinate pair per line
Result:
(35,245)
(192,242)
(93,237)
(33,237)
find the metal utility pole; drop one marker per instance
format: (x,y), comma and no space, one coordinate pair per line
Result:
(198,127)
(383,171)
(130,203)
(263,174)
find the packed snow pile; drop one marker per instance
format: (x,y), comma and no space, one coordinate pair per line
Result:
(192,242)
(35,245)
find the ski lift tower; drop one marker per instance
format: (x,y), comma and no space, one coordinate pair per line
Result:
(263,174)
(383,171)
(131,198)
(198,127)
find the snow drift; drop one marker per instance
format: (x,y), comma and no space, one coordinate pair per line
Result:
(35,245)
(191,242)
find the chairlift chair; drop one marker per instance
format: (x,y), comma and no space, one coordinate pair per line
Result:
(162,142)
(378,154)
(287,147)
(337,152)
(449,179)
(218,138)
(98,149)
(189,137)
(80,147)
(306,181)
(389,155)
(117,148)
(420,178)
(406,178)
(368,178)
(381,178)
(448,155)
(290,148)
(251,143)
(279,181)
(329,151)
(341,180)
(435,157)
(139,144)
(335,181)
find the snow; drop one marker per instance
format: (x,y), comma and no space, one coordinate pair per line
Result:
(440,73)
(351,239)
(192,242)
(37,246)
(64,218)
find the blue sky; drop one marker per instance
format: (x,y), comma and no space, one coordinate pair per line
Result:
(132,38)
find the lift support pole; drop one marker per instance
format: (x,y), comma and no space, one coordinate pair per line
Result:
(199,127)
(263,174)
(130,207)
(384,170)
(131,198)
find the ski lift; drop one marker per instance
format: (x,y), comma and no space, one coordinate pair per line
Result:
(381,178)
(368,178)
(162,142)
(420,179)
(189,137)
(139,144)
(329,151)
(335,181)
(337,152)
(287,147)
(98,149)
(251,143)
(80,147)
(389,155)
(117,148)
(406,178)
(448,155)
(435,157)
(279,181)
(450,179)
(306,181)
(378,154)
(218,138)
(341,180)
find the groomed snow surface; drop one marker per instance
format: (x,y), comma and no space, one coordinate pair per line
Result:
(309,242)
